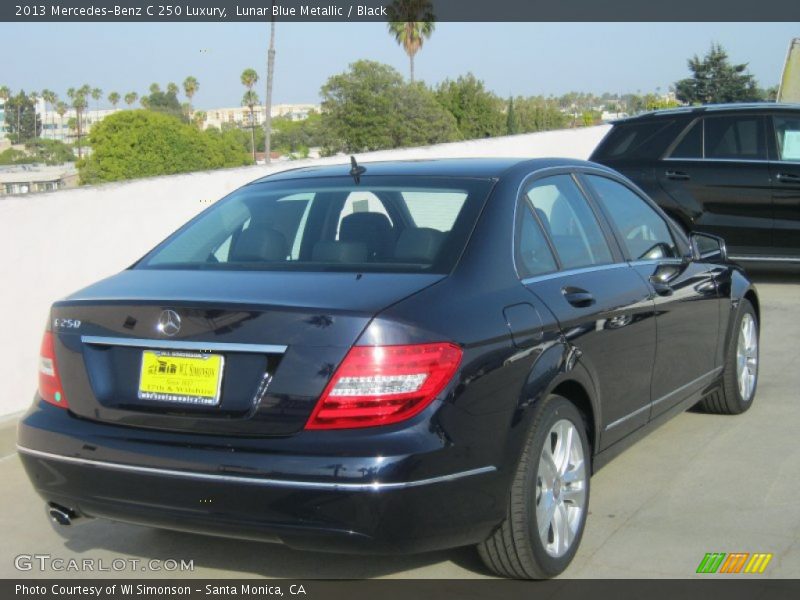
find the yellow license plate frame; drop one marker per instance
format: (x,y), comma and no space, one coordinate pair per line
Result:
(181,377)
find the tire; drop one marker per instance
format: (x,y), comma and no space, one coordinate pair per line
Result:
(734,396)
(516,549)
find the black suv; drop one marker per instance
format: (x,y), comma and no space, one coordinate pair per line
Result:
(731,170)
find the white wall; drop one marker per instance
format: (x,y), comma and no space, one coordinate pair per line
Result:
(53,244)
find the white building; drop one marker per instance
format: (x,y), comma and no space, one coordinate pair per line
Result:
(240,115)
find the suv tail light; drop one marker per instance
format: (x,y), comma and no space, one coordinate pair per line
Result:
(50,388)
(379,385)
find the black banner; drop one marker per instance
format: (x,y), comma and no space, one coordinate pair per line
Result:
(398,589)
(379,10)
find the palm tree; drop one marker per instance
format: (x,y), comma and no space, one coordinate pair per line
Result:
(250,100)
(33,97)
(50,99)
(114,98)
(96,93)
(268,107)
(154,88)
(5,93)
(173,89)
(190,87)
(61,109)
(198,118)
(411,22)
(130,98)
(79,99)
(249,78)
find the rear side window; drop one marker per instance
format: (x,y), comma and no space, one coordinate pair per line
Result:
(534,256)
(569,222)
(626,139)
(382,224)
(645,234)
(737,137)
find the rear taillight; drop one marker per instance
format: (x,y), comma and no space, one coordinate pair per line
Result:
(50,388)
(379,385)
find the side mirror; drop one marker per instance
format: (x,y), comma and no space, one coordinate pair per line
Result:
(708,247)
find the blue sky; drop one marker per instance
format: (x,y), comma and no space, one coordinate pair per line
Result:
(512,58)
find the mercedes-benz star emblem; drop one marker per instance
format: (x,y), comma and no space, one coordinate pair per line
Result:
(169,323)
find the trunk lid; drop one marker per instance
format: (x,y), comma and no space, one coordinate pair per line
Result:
(280,336)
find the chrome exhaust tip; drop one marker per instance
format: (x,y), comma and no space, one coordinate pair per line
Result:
(61,515)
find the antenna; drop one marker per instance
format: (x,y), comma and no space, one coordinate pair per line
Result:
(356,171)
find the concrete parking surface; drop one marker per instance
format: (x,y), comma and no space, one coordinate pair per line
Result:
(701,483)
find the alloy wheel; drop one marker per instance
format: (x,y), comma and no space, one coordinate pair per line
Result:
(560,488)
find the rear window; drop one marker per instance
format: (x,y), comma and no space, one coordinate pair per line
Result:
(627,139)
(381,224)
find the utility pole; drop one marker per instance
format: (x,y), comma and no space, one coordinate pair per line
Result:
(270,75)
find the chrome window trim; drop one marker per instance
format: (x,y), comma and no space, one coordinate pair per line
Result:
(576,271)
(183,345)
(712,373)
(375,486)
(723,160)
(787,259)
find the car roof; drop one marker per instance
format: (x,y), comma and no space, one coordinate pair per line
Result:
(481,168)
(711,108)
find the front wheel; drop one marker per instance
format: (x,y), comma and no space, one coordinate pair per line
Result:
(740,374)
(549,498)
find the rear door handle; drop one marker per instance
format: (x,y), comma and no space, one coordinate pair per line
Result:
(788,178)
(578,297)
(678,175)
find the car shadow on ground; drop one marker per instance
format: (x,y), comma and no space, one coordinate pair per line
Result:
(215,556)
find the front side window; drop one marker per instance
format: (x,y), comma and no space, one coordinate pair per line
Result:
(382,224)
(787,137)
(737,137)
(569,222)
(645,234)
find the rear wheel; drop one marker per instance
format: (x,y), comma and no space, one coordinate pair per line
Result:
(740,374)
(549,498)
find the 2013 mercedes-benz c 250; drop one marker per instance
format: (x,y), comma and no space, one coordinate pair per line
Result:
(394,357)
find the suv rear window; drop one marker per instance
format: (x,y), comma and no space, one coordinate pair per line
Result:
(382,224)
(626,139)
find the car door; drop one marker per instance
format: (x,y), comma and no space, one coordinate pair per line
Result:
(687,301)
(718,171)
(603,307)
(784,146)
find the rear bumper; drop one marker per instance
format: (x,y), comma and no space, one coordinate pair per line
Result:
(407,502)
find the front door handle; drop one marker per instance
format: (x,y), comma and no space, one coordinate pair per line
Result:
(578,297)
(788,178)
(678,175)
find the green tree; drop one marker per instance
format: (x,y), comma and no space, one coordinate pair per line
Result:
(22,121)
(512,122)
(61,109)
(411,22)
(478,112)
(131,98)
(164,102)
(297,137)
(369,107)
(141,143)
(536,113)
(114,99)
(715,80)
(173,89)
